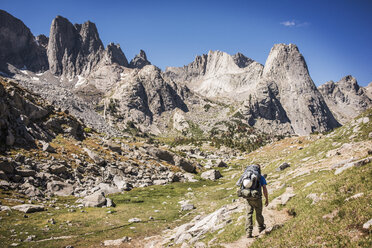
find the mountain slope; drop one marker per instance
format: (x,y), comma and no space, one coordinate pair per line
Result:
(345,98)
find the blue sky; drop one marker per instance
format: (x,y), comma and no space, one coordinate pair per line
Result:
(335,37)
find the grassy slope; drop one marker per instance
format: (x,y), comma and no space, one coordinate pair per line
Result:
(307,229)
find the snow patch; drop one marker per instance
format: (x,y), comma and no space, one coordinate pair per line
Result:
(35,78)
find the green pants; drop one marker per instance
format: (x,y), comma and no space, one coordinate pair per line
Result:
(254,204)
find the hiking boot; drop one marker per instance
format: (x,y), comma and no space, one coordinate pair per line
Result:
(261,228)
(249,235)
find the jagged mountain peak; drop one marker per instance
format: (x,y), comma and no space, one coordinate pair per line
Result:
(139,61)
(346,98)
(241,60)
(73,49)
(114,54)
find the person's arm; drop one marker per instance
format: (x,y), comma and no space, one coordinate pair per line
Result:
(266,195)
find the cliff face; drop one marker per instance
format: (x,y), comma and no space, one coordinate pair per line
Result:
(297,93)
(346,98)
(219,74)
(19,47)
(73,49)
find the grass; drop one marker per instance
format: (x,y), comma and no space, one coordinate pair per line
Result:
(95,225)
(309,228)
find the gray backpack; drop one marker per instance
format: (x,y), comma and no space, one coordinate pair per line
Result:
(249,183)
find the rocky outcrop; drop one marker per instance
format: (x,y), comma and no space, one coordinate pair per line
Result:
(346,98)
(142,96)
(368,89)
(19,47)
(139,61)
(241,60)
(114,54)
(25,117)
(73,49)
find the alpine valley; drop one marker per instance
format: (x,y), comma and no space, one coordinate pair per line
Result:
(98,150)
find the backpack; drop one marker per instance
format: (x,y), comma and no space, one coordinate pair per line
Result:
(249,183)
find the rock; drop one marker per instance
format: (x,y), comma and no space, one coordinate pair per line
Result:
(314,197)
(60,188)
(97,159)
(97,199)
(121,183)
(10,139)
(3,176)
(5,208)
(199,245)
(18,46)
(161,154)
(220,163)
(57,169)
(179,121)
(211,175)
(116,242)
(367,225)
(309,184)
(114,147)
(189,178)
(187,207)
(354,197)
(114,54)
(134,220)
(110,203)
(6,167)
(28,208)
(139,61)
(108,189)
(282,167)
(358,163)
(184,164)
(30,238)
(26,173)
(331,215)
(47,147)
(346,99)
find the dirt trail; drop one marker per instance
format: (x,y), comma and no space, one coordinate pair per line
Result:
(273,219)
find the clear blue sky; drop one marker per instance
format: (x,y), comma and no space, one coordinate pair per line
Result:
(335,37)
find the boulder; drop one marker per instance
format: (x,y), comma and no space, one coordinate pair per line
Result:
(122,183)
(184,164)
(116,242)
(314,197)
(108,189)
(283,166)
(110,203)
(97,159)
(134,220)
(221,163)
(187,207)
(367,225)
(161,154)
(7,167)
(97,199)
(26,173)
(47,147)
(28,208)
(211,175)
(360,162)
(60,188)
(114,147)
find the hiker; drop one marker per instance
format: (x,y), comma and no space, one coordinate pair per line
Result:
(250,184)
